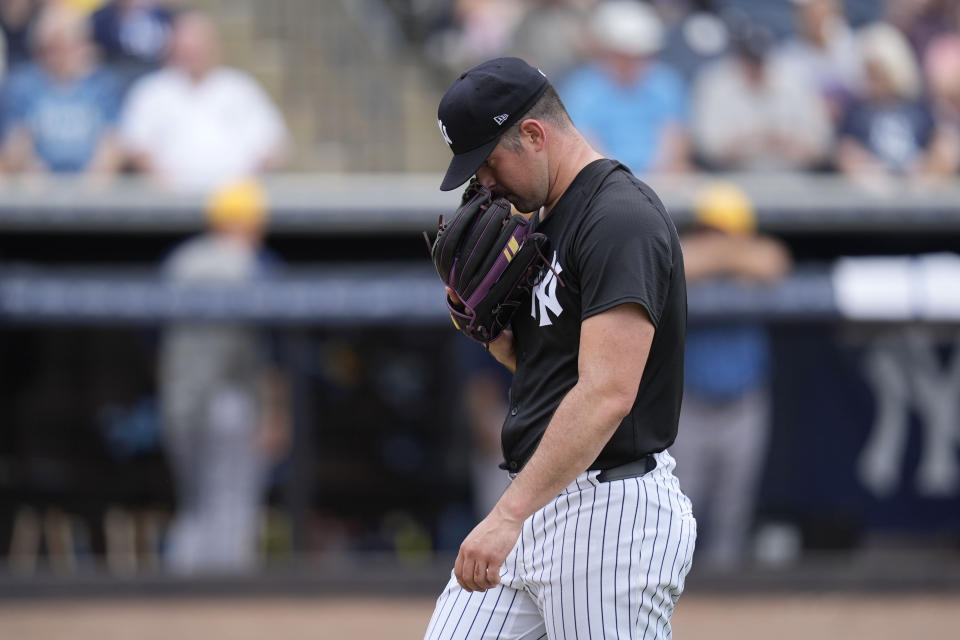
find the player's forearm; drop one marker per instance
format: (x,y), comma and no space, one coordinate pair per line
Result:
(580,428)
(503,350)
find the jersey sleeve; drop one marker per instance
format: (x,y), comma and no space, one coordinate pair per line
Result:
(624,255)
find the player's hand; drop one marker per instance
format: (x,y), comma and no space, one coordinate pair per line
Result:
(484,551)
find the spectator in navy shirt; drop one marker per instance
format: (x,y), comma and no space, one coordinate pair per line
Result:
(59,113)
(889,130)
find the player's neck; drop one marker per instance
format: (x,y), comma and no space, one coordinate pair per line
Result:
(573,156)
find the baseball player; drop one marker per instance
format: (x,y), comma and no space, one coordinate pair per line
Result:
(593,538)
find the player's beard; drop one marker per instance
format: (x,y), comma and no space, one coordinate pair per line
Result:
(536,188)
(525,205)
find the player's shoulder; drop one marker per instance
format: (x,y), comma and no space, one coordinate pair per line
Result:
(624,191)
(625,202)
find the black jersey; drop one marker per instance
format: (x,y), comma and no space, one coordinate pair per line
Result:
(612,242)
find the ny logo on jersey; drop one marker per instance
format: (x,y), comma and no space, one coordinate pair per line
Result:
(545,295)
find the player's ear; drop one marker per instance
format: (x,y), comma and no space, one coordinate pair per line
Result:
(532,131)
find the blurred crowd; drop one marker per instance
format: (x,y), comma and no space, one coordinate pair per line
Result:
(867,89)
(100,87)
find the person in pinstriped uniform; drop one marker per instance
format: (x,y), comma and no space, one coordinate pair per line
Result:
(593,537)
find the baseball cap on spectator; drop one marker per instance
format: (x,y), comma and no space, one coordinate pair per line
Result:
(240,203)
(627,27)
(724,206)
(480,106)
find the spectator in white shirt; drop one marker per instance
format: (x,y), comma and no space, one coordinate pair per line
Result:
(194,124)
(825,50)
(753,113)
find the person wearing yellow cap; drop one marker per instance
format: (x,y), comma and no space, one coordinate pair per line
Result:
(239,211)
(223,397)
(724,420)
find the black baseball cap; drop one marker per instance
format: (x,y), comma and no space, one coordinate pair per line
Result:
(479,106)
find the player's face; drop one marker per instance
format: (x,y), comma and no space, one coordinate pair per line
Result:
(517,176)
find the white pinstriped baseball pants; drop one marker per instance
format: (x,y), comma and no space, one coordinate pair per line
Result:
(602,560)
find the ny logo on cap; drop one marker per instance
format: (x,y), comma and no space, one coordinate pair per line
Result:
(443,131)
(500,119)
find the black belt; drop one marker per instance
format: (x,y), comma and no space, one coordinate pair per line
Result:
(634,469)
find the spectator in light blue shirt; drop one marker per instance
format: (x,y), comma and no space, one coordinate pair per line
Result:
(631,106)
(59,114)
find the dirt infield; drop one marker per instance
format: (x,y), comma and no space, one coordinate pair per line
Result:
(698,616)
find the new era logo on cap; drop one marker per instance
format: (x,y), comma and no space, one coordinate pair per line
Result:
(479,106)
